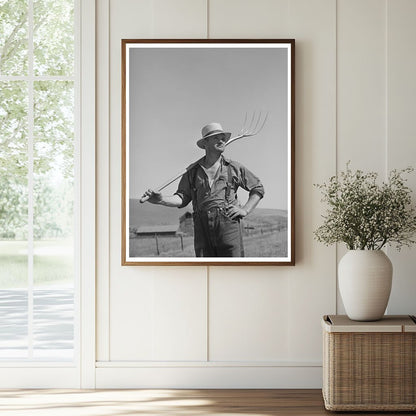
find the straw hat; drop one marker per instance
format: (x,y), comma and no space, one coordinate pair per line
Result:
(210,130)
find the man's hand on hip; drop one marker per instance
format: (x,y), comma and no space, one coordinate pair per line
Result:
(234,212)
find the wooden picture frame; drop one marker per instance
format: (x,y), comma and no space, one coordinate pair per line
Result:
(171,89)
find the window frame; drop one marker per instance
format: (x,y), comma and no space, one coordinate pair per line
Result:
(81,371)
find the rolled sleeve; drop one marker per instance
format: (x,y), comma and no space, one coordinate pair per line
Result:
(250,182)
(184,190)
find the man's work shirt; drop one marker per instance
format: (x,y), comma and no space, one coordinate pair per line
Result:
(194,185)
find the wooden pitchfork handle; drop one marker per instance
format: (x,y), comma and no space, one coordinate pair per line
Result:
(252,129)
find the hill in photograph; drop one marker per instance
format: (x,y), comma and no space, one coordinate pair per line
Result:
(156,232)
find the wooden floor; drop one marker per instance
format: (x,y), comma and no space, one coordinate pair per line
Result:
(165,402)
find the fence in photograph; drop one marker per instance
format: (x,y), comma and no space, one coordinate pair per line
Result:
(263,236)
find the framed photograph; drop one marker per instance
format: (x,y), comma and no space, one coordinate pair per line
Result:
(208,133)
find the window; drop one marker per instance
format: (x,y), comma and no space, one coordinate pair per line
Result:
(38,185)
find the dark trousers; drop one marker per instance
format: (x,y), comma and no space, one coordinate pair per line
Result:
(216,235)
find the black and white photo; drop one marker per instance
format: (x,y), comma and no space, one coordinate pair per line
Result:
(208,152)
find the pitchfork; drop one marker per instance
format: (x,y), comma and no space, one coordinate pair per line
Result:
(254,127)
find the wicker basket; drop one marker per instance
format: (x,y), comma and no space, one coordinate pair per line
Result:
(369,366)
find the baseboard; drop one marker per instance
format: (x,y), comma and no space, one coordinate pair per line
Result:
(210,377)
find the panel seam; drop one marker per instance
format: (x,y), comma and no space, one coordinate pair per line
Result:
(207,12)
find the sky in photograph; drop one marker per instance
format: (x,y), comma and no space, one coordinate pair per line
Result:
(174,92)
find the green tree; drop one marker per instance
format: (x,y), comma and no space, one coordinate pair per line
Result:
(53,37)
(53,118)
(13,159)
(13,209)
(13,37)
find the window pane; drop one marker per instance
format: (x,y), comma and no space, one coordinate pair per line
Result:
(13,37)
(53,37)
(54,127)
(14,321)
(13,219)
(13,160)
(53,196)
(53,320)
(54,172)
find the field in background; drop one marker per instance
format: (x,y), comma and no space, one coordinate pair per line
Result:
(265,235)
(53,263)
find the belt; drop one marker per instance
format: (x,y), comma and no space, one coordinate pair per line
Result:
(211,210)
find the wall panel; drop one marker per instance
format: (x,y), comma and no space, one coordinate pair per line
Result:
(401,142)
(256,326)
(248,314)
(361,89)
(311,282)
(158,316)
(361,84)
(247,19)
(145,323)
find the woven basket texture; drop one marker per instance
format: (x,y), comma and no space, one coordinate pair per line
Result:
(369,371)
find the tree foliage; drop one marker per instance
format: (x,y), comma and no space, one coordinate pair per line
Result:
(53,37)
(13,37)
(51,118)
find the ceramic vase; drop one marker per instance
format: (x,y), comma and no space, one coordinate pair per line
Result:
(364,278)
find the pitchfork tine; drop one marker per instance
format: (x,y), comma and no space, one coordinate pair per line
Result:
(244,124)
(250,127)
(262,124)
(257,123)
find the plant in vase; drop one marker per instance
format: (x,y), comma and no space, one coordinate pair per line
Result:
(366,215)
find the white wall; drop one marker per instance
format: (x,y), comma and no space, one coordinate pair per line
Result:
(254,326)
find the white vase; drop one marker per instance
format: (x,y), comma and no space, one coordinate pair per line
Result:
(364,278)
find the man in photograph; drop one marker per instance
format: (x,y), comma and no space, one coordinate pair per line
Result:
(211,184)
